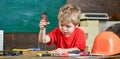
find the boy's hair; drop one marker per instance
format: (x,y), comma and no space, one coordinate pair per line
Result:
(69,13)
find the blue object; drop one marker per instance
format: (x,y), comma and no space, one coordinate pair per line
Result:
(75,52)
(34,49)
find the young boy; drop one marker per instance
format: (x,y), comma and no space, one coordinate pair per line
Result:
(67,37)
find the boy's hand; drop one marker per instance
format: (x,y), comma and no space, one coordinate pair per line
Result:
(60,51)
(43,24)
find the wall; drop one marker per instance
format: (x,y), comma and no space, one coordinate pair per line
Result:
(108,6)
(20,21)
(23,40)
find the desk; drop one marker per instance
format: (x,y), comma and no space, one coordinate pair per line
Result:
(80,57)
(32,55)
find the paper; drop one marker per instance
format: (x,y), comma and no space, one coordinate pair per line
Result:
(1,40)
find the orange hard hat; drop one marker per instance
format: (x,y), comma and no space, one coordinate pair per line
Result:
(106,43)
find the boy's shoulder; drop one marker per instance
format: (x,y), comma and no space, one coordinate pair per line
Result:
(78,30)
(56,29)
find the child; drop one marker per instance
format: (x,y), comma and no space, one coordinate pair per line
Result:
(67,37)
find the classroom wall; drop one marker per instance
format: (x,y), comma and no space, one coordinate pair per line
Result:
(102,6)
(30,40)
(23,40)
(108,6)
(20,21)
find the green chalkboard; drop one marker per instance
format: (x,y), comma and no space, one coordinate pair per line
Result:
(25,15)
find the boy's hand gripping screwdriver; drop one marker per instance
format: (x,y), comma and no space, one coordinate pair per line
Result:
(44,17)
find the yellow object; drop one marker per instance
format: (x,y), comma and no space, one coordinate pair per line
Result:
(45,54)
(20,49)
(39,54)
(106,43)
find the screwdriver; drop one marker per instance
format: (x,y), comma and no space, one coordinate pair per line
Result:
(44,17)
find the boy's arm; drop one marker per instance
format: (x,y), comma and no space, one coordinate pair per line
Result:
(43,38)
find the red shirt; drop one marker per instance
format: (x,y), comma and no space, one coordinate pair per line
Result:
(77,39)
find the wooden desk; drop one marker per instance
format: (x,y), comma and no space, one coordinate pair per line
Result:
(80,57)
(32,55)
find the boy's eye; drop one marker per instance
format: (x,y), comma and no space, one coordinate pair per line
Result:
(68,26)
(61,25)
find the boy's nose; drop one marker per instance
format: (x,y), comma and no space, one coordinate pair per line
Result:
(64,28)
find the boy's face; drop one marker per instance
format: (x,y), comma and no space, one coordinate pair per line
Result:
(66,28)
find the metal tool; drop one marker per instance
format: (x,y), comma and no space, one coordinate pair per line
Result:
(44,17)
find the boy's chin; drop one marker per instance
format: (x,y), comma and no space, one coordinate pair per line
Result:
(66,35)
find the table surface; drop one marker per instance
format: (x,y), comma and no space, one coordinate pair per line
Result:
(78,57)
(32,55)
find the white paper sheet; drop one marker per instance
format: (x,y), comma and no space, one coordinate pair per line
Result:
(1,40)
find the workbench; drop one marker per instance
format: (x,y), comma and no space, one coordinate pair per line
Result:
(32,55)
(80,57)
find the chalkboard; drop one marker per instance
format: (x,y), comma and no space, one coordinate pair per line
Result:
(25,15)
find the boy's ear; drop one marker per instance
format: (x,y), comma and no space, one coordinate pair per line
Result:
(76,26)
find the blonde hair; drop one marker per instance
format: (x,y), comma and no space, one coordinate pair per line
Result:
(68,13)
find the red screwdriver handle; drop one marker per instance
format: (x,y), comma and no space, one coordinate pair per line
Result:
(44,17)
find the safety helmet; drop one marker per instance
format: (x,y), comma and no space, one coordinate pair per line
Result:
(106,43)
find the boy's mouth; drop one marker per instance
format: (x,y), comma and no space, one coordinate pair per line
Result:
(65,33)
